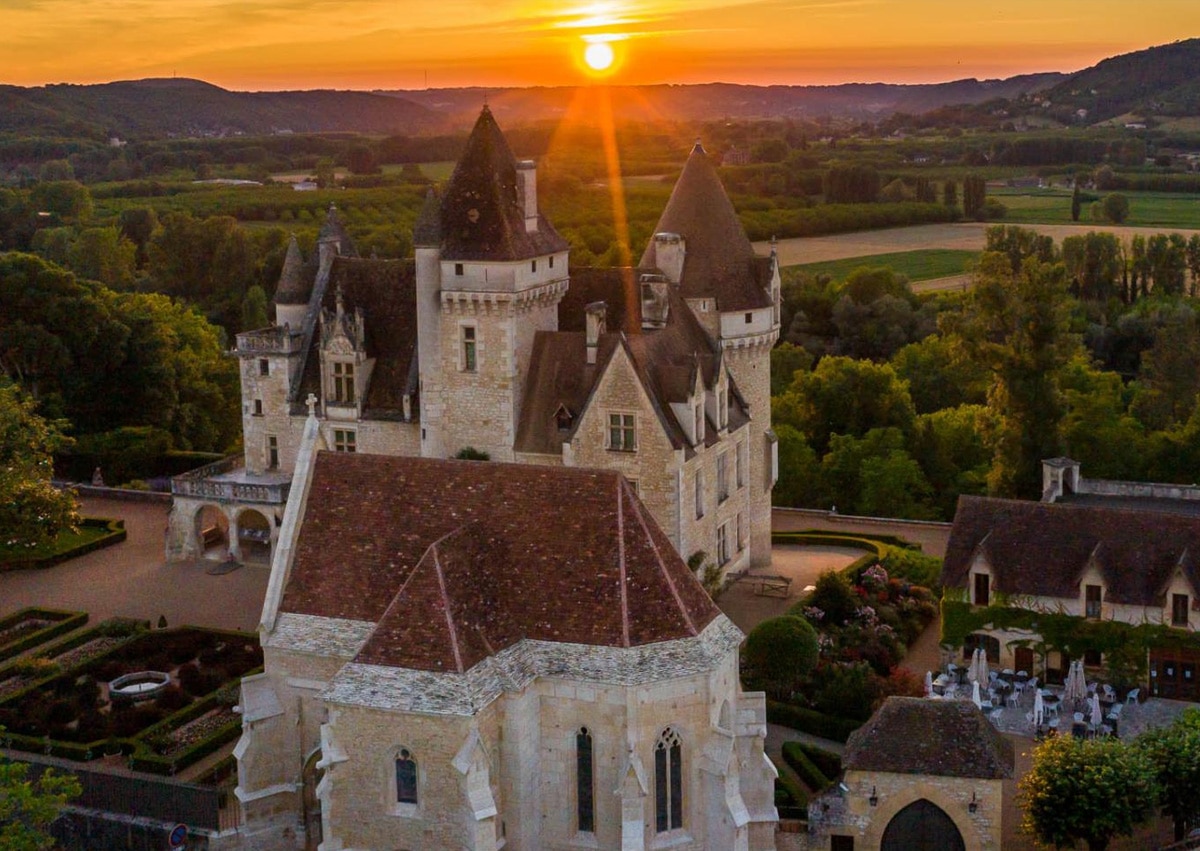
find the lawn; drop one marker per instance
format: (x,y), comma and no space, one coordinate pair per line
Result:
(84,539)
(1146,209)
(921,265)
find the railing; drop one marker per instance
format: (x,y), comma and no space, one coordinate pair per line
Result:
(201,483)
(273,340)
(158,798)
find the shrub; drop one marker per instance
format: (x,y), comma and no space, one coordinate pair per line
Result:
(790,798)
(834,597)
(828,762)
(812,776)
(849,691)
(172,698)
(780,652)
(835,728)
(34,667)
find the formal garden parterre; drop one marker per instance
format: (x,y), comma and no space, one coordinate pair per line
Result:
(56,700)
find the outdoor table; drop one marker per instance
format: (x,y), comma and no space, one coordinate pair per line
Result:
(1003,689)
(1022,678)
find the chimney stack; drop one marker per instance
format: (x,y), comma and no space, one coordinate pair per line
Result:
(527,190)
(669,252)
(655,305)
(596,312)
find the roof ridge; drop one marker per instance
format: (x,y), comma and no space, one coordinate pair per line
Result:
(441,578)
(687,617)
(621,566)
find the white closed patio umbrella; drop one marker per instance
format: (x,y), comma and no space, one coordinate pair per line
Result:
(975,698)
(928,683)
(973,670)
(984,674)
(1097,714)
(1039,707)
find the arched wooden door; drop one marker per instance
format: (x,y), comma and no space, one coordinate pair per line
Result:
(922,826)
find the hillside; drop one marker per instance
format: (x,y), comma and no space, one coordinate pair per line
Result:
(182,107)
(1159,81)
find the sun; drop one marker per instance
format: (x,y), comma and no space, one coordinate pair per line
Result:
(599,56)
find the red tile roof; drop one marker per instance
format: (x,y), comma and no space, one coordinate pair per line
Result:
(456,560)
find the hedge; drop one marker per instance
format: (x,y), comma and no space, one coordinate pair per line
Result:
(890,540)
(812,776)
(69,622)
(115,534)
(828,762)
(907,560)
(155,764)
(810,721)
(797,793)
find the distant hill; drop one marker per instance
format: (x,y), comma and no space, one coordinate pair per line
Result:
(1159,81)
(183,107)
(857,101)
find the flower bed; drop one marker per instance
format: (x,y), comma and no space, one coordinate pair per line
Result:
(31,627)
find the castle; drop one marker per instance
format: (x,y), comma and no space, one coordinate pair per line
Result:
(487,344)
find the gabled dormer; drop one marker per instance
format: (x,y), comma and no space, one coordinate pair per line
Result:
(717,400)
(345,366)
(1181,593)
(981,578)
(690,412)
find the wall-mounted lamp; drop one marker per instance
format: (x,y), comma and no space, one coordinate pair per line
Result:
(973,806)
(874,799)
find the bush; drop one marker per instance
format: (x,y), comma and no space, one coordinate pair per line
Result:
(916,567)
(849,691)
(835,728)
(780,652)
(834,597)
(828,762)
(790,798)
(172,698)
(812,776)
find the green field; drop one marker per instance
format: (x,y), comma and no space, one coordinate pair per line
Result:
(1053,206)
(920,265)
(64,543)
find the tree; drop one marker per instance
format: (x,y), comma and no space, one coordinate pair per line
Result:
(1076,201)
(1097,430)
(254,309)
(950,193)
(32,510)
(28,807)
(940,374)
(851,184)
(1193,262)
(780,653)
(974,196)
(102,254)
(1115,207)
(1017,325)
(1020,244)
(68,200)
(1175,753)
(1094,263)
(1172,365)
(325,175)
(138,225)
(875,476)
(799,482)
(786,360)
(360,159)
(1087,790)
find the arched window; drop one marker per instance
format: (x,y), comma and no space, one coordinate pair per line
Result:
(585,796)
(406,778)
(668,782)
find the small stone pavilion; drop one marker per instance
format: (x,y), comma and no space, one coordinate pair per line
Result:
(921,774)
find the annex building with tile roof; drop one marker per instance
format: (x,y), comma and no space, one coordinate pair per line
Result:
(487,343)
(471,655)
(919,774)
(1102,552)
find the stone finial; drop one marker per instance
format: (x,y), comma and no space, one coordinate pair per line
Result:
(311,401)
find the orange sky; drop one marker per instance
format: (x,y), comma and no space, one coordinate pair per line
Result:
(288,44)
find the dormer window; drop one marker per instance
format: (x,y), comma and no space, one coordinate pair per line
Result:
(1179,610)
(343,383)
(458,269)
(698,424)
(1092,597)
(982,589)
(749,318)
(722,409)
(532,265)
(563,418)
(551,261)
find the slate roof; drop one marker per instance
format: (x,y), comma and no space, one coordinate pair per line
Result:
(1043,548)
(480,216)
(945,738)
(719,261)
(665,360)
(385,290)
(294,285)
(456,560)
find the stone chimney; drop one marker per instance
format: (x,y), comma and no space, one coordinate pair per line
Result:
(527,192)
(655,305)
(596,312)
(669,252)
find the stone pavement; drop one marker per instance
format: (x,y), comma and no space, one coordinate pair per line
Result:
(745,607)
(132,578)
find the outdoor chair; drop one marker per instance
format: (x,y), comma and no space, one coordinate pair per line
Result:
(994,716)
(1114,713)
(1132,697)
(1008,672)
(1077,718)
(1109,694)
(1022,673)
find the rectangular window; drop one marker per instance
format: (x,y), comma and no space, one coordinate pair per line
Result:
(532,265)
(749,318)
(343,383)
(1092,659)
(722,477)
(698,423)
(1092,599)
(468,348)
(585,807)
(264,366)
(722,409)
(699,494)
(740,464)
(344,440)
(406,778)
(981,589)
(741,533)
(1179,609)
(458,269)
(272,452)
(551,261)
(622,432)
(258,407)
(723,544)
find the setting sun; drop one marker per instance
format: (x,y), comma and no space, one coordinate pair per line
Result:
(598,56)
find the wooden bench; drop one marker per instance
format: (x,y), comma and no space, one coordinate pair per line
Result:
(771,586)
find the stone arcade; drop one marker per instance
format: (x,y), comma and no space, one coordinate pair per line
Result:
(486,342)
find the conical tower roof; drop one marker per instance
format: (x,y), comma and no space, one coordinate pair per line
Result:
(291,289)
(481,213)
(720,261)
(334,230)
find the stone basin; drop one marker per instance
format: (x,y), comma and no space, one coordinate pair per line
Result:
(140,685)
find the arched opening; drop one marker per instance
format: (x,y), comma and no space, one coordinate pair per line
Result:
(922,826)
(313,832)
(990,645)
(212,533)
(254,537)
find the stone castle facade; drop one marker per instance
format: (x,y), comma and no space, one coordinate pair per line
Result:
(488,343)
